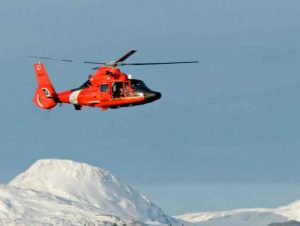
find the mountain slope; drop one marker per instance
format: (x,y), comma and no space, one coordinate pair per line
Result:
(62,190)
(28,207)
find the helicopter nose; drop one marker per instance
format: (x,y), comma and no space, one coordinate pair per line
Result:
(152,96)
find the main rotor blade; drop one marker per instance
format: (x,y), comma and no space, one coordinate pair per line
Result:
(50,58)
(116,63)
(121,59)
(158,63)
(92,62)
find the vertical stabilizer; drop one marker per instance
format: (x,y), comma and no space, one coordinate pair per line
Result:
(45,95)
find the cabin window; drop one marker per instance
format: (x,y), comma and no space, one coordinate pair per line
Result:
(104,87)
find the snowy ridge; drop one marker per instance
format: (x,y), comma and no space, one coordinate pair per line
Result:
(240,217)
(55,191)
(245,217)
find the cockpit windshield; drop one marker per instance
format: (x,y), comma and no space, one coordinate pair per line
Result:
(138,85)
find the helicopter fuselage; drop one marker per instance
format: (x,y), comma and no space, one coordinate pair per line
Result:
(107,88)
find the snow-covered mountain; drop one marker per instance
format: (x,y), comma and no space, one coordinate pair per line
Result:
(63,192)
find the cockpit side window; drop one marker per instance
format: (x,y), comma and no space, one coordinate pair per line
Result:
(127,89)
(139,85)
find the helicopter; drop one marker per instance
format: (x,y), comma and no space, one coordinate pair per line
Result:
(107,87)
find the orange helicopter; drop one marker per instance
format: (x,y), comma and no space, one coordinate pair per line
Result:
(107,88)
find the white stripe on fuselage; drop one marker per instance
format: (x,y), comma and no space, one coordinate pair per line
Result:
(39,101)
(74,97)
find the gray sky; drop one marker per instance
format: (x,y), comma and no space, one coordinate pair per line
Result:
(231,118)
